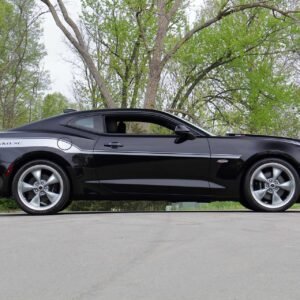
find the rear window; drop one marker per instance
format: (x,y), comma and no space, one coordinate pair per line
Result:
(85,122)
(91,123)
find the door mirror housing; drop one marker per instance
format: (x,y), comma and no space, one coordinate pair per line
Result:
(183,134)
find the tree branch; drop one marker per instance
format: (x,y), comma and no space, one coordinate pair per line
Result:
(185,113)
(71,23)
(81,47)
(222,14)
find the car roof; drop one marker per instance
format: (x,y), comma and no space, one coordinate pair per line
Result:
(106,110)
(66,117)
(55,122)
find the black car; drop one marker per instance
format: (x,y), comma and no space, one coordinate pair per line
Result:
(138,154)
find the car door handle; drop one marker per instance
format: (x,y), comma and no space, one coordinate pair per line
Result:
(114,145)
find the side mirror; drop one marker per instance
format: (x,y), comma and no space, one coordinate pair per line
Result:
(183,134)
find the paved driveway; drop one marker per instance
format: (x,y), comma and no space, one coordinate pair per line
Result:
(206,255)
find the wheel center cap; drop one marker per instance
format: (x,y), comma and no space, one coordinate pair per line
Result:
(272,184)
(41,187)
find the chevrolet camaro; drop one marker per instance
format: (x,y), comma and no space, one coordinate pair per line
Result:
(138,154)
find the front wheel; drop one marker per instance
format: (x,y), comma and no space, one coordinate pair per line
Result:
(271,185)
(41,187)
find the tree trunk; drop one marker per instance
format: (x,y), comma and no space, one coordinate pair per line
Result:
(155,64)
(152,86)
(78,42)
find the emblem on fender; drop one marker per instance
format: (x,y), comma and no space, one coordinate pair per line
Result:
(9,143)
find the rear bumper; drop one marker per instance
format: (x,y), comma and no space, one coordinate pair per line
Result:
(5,190)
(5,181)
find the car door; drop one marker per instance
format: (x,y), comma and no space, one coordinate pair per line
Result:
(150,164)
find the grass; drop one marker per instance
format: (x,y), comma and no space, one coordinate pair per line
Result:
(9,205)
(217,205)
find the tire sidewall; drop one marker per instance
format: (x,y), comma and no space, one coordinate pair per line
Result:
(247,186)
(65,195)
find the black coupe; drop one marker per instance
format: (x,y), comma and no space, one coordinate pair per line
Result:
(136,154)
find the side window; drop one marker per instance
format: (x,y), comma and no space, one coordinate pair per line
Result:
(137,126)
(85,122)
(91,123)
(146,128)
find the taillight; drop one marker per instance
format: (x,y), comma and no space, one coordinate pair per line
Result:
(9,170)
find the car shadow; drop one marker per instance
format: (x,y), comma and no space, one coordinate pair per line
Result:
(22,214)
(172,212)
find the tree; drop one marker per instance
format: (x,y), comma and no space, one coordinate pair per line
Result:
(21,75)
(235,65)
(123,61)
(242,78)
(161,52)
(54,104)
(76,39)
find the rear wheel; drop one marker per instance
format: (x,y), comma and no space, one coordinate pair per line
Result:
(68,203)
(271,185)
(245,203)
(41,187)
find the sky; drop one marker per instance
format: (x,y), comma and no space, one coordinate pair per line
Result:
(59,53)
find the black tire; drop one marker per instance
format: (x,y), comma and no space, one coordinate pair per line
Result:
(245,203)
(61,188)
(68,203)
(255,185)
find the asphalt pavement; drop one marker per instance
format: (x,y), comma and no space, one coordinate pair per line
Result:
(141,256)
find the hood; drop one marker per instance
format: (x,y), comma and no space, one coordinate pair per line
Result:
(257,136)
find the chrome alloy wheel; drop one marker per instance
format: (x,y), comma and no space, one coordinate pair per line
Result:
(40,187)
(273,185)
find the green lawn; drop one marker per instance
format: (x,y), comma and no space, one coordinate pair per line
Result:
(8,205)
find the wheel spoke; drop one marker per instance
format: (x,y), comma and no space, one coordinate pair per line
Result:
(52,196)
(26,187)
(36,200)
(287,186)
(52,180)
(260,194)
(261,177)
(276,173)
(276,200)
(37,175)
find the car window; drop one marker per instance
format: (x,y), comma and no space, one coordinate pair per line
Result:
(134,127)
(91,123)
(85,122)
(137,126)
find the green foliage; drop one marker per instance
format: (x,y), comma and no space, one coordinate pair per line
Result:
(117,206)
(22,78)
(237,75)
(116,42)
(252,85)
(54,104)
(8,205)
(6,12)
